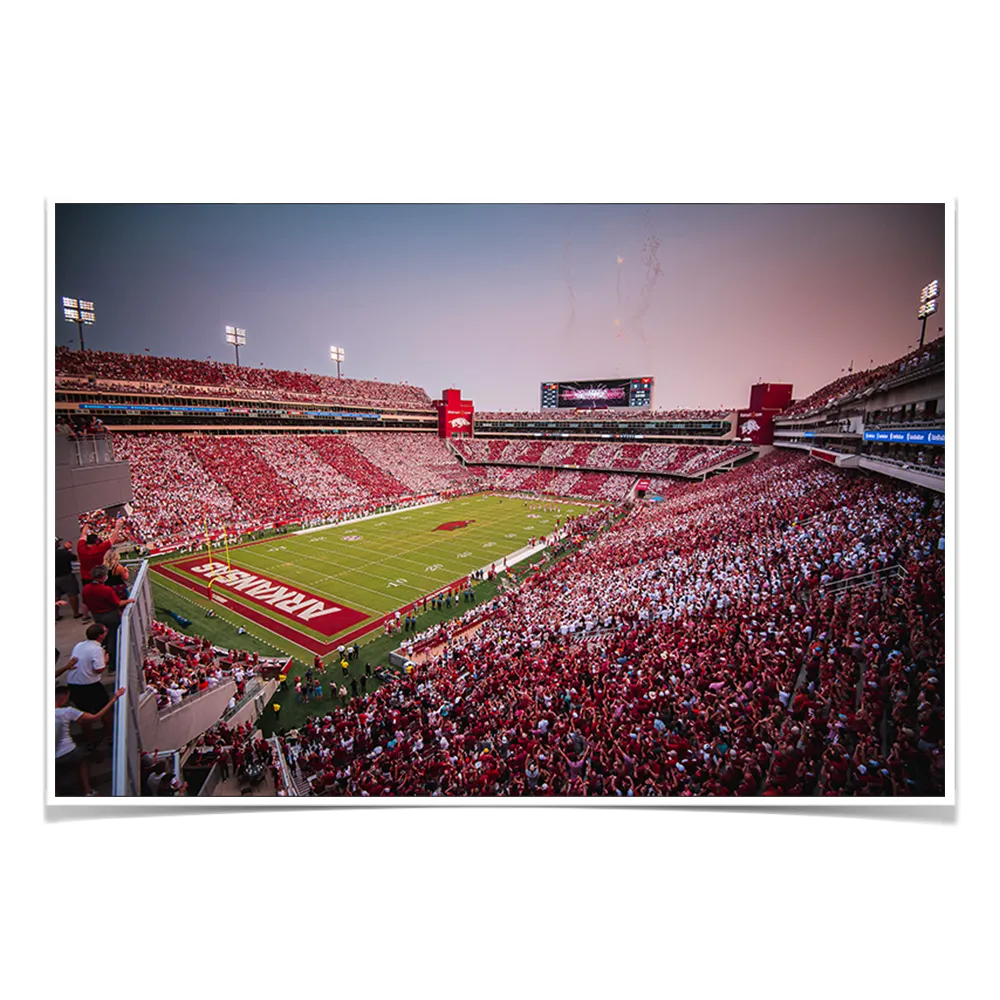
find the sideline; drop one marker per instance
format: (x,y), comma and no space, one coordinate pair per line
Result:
(366,517)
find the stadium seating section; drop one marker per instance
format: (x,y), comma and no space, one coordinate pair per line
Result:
(623,413)
(777,630)
(181,482)
(696,646)
(855,383)
(179,376)
(179,666)
(681,460)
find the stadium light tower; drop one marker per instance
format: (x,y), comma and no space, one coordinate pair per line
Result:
(79,312)
(928,306)
(337,354)
(238,338)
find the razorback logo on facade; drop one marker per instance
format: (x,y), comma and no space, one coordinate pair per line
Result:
(300,606)
(452,525)
(757,428)
(459,422)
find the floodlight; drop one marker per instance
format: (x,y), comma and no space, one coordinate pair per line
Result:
(928,306)
(78,311)
(337,356)
(236,336)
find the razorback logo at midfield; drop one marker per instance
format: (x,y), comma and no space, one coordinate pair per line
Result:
(452,525)
(299,606)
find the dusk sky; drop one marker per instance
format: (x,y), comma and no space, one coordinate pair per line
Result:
(494,299)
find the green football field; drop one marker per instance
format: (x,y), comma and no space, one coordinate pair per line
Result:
(354,573)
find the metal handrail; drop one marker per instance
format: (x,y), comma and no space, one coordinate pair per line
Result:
(125,776)
(187,700)
(864,580)
(283,769)
(249,695)
(900,463)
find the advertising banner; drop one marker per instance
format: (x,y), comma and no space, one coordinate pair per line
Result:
(906,437)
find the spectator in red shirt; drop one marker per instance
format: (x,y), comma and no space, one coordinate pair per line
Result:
(90,551)
(105,605)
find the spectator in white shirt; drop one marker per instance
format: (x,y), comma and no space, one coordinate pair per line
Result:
(68,754)
(85,679)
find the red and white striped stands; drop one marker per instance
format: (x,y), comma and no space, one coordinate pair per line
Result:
(684,460)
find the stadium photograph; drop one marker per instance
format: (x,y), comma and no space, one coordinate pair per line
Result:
(506,501)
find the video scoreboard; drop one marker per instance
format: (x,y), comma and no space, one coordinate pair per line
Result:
(597,394)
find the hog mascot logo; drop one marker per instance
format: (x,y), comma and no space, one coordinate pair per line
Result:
(460,422)
(749,428)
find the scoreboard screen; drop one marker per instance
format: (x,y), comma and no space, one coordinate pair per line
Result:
(597,394)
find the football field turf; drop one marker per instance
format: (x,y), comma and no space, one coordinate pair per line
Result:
(309,592)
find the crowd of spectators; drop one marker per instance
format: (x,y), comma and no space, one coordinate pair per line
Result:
(185,483)
(173,494)
(239,750)
(79,425)
(587,485)
(696,647)
(682,460)
(181,376)
(178,666)
(855,383)
(421,462)
(348,460)
(611,413)
(313,478)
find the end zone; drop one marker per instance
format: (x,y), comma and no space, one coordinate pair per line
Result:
(277,606)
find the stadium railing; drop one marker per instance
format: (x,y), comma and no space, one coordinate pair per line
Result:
(286,775)
(190,699)
(133,640)
(96,449)
(900,463)
(838,587)
(255,691)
